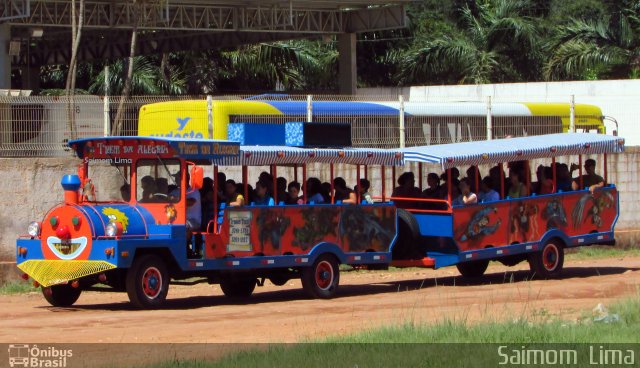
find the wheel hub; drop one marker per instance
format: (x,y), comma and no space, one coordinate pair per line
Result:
(152,282)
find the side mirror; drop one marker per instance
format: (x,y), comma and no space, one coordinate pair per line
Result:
(197,175)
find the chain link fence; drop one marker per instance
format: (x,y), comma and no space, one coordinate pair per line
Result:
(41,126)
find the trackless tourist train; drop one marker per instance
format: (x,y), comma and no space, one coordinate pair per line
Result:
(131,218)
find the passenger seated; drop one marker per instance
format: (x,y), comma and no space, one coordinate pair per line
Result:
(473,174)
(325,191)
(342,193)
(545,180)
(162,190)
(434,191)
(563,178)
(406,189)
(457,197)
(263,194)
(590,180)
(293,194)
(313,191)
(234,199)
(281,189)
(467,196)
(125,192)
(517,188)
(487,193)
(148,185)
(363,188)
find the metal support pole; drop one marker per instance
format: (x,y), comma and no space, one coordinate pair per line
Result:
(215,199)
(606,173)
(489,119)
(402,136)
(449,191)
(420,175)
(210,115)
(245,183)
(358,184)
(580,172)
(383,180)
(107,120)
(555,179)
(304,183)
(501,180)
(309,108)
(331,175)
(275,184)
(572,114)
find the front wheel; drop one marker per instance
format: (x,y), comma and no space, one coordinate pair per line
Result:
(238,287)
(147,282)
(548,262)
(322,278)
(473,269)
(61,295)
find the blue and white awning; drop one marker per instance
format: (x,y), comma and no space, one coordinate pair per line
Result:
(514,149)
(283,155)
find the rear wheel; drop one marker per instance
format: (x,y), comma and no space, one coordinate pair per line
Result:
(322,278)
(549,261)
(473,269)
(147,282)
(238,287)
(61,295)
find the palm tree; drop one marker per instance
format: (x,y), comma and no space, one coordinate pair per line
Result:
(147,78)
(596,48)
(266,65)
(486,47)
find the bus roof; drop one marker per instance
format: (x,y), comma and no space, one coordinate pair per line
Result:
(514,149)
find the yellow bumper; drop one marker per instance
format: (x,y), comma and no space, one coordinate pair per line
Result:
(54,272)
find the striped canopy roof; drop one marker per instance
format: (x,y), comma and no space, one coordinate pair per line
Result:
(284,155)
(514,149)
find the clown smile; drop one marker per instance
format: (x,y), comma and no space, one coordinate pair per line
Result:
(69,249)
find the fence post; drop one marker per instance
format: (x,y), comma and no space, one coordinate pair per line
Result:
(309,109)
(105,109)
(402,137)
(210,115)
(489,119)
(572,114)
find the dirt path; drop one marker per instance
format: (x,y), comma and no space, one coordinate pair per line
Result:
(283,314)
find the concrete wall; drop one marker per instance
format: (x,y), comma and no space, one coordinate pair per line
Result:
(616,98)
(29,188)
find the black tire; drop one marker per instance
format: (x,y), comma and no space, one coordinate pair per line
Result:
(61,295)
(408,235)
(279,280)
(549,261)
(147,282)
(473,269)
(321,280)
(234,287)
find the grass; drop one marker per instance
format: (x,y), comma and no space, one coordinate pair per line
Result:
(418,345)
(581,253)
(16,287)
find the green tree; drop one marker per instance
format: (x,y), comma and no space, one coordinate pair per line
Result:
(148,78)
(602,48)
(494,41)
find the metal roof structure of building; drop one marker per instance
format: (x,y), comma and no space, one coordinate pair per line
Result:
(43,27)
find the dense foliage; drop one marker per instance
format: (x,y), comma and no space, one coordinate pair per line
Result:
(459,41)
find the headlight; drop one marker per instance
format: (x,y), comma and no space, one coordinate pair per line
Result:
(113,229)
(34,229)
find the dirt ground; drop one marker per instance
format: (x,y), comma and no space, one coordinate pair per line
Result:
(202,314)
